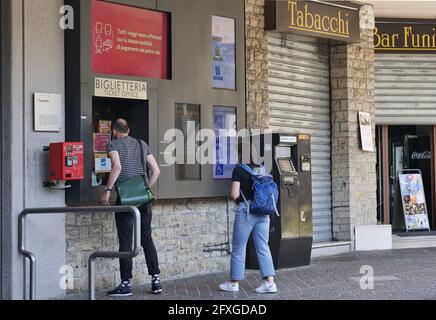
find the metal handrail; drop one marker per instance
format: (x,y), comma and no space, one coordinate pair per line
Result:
(98,254)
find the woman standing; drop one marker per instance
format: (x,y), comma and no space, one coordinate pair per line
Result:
(245,224)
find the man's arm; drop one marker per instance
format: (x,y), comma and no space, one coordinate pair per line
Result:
(155,171)
(113,176)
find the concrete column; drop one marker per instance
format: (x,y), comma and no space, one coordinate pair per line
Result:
(12,138)
(353,171)
(33,61)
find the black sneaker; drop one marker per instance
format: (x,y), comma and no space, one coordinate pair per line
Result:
(123,290)
(156,287)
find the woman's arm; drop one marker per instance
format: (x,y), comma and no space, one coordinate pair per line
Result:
(236,191)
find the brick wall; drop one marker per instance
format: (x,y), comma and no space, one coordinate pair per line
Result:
(257,66)
(183,231)
(353,171)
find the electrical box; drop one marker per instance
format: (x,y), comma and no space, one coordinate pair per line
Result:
(66,161)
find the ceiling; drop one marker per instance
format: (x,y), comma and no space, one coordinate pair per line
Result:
(422,9)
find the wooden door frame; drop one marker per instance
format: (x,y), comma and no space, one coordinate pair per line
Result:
(385,169)
(433,174)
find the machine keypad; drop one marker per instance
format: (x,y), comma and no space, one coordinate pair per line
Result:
(286,166)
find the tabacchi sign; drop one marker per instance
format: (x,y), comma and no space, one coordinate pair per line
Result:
(324,20)
(394,36)
(129,41)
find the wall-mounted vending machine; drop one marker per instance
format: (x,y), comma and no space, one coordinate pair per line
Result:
(291,233)
(65,163)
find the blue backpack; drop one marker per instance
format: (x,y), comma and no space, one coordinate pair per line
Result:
(265,194)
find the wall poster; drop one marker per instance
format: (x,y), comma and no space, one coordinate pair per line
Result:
(225,127)
(414,204)
(223,53)
(366,131)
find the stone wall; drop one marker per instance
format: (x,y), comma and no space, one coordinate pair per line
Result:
(353,171)
(184,232)
(257,66)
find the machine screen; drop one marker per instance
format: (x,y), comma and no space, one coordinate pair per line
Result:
(283,152)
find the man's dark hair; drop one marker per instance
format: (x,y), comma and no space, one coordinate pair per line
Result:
(121,125)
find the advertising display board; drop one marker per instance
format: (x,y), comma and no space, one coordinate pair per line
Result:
(129,41)
(223,53)
(414,204)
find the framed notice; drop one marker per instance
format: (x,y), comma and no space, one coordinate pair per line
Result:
(414,203)
(226,147)
(366,131)
(223,53)
(48,112)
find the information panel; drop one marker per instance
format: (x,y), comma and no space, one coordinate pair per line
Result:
(129,41)
(223,53)
(225,127)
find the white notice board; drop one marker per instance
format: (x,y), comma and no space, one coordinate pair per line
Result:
(48,112)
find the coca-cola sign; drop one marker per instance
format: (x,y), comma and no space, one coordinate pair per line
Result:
(426,155)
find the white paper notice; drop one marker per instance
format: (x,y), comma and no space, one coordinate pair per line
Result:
(366,131)
(48,112)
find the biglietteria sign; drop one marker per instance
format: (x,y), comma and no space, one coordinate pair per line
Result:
(394,36)
(319,19)
(122,89)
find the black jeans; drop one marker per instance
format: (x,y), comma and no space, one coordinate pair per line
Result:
(124,223)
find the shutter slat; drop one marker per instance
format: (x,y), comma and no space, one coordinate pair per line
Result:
(299,99)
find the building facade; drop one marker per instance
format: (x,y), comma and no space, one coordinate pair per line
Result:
(305,82)
(405,74)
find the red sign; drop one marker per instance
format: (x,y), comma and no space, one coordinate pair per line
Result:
(129,41)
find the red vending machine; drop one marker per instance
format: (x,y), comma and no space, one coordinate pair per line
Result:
(66,163)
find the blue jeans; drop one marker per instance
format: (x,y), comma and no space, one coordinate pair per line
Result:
(245,224)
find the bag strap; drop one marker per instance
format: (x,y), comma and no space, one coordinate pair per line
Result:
(248,169)
(142,156)
(251,171)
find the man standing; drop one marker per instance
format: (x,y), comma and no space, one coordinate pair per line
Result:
(126,156)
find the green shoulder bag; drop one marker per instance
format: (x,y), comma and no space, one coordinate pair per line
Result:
(135,191)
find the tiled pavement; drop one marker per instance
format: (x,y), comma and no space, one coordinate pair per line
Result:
(400,274)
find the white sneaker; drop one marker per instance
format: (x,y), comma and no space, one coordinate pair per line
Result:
(229,287)
(267,288)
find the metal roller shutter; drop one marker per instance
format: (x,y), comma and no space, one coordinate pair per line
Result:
(299,100)
(405,89)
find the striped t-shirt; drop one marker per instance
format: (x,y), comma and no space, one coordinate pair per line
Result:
(130,156)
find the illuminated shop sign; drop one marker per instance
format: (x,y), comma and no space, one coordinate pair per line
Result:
(319,19)
(405,36)
(122,89)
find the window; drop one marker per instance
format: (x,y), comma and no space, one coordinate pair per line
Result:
(188,121)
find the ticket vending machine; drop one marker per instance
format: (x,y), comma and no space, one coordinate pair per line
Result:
(291,233)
